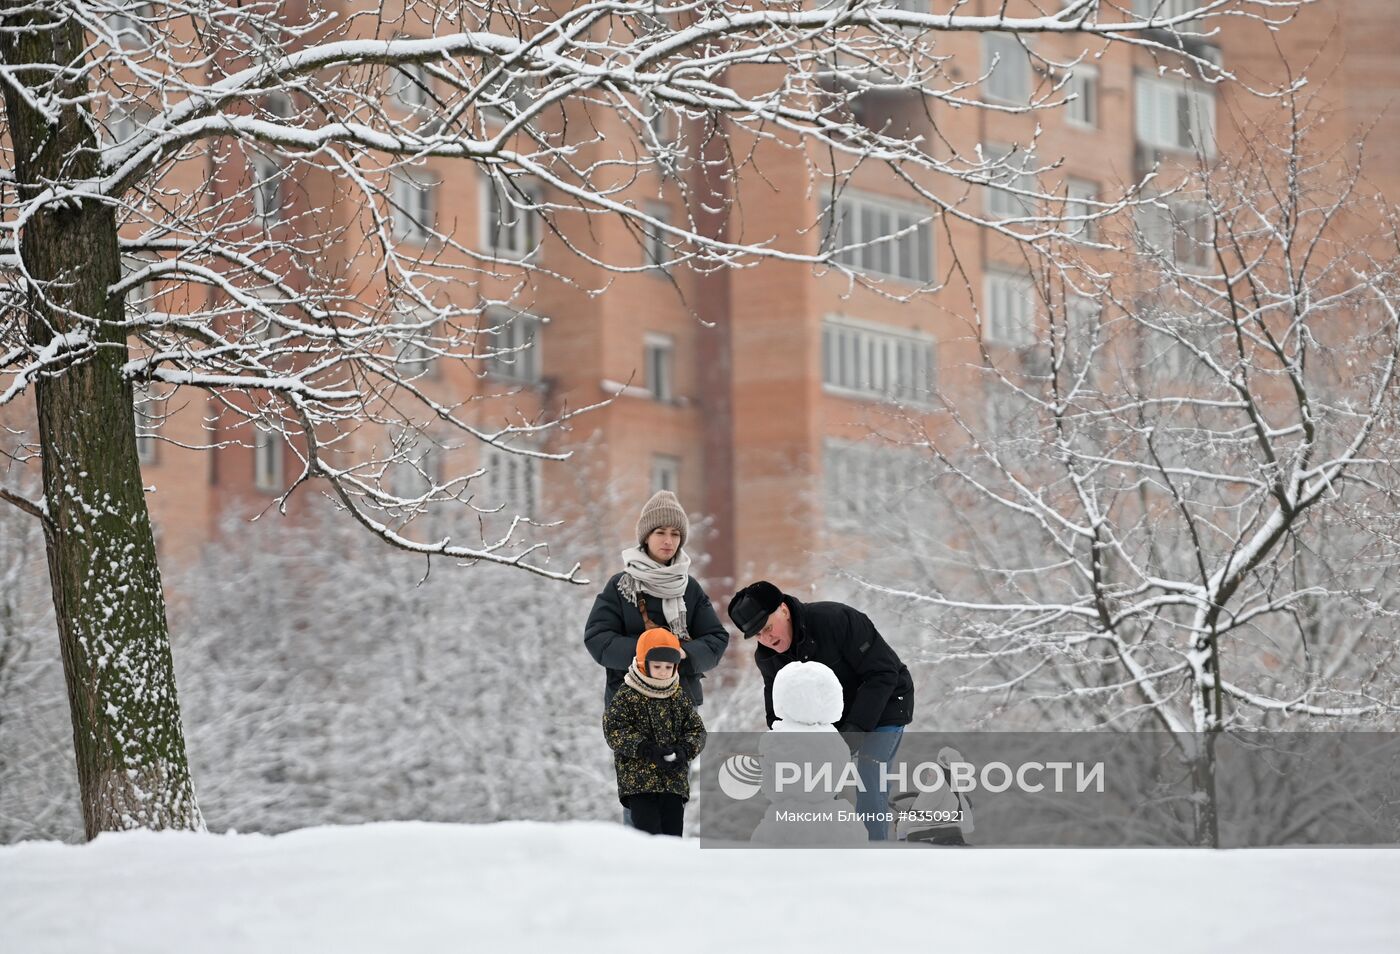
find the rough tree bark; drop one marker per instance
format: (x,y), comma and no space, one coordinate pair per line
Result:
(115,642)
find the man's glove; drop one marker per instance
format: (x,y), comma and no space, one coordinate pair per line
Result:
(852,735)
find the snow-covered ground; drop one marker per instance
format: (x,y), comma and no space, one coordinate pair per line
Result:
(579,887)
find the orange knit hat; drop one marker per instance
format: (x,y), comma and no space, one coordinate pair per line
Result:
(661,645)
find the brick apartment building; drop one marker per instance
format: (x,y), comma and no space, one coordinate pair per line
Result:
(744,390)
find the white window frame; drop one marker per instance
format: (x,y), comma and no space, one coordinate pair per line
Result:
(522,230)
(857,227)
(868,360)
(1173,115)
(414,210)
(268,469)
(665,473)
(1083,110)
(659,365)
(517,355)
(1019,173)
(1008,308)
(1009,81)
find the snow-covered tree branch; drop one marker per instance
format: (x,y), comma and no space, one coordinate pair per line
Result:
(176,177)
(1176,511)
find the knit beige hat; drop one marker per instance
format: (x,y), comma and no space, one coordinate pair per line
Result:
(662,510)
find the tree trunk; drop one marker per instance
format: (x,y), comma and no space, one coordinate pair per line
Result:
(1207,806)
(115,642)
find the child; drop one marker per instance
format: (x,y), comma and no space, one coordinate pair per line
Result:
(654,732)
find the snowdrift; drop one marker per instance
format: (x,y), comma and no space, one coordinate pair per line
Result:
(592,886)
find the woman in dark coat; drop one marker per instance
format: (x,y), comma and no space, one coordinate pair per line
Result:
(655,589)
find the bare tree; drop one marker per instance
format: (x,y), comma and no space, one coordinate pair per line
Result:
(150,150)
(1177,511)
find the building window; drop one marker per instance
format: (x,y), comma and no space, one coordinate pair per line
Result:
(267,459)
(887,363)
(665,473)
(663,123)
(267,189)
(1008,310)
(511,481)
(417,354)
(123,123)
(1081,327)
(1083,87)
(411,87)
(1169,358)
(1009,68)
(658,251)
(1174,115)
(880,237)
(127,22)
(510,226)
(140,298)
(1011,170)
(1181,232)
(1081,198)
(149,413)
(506,95)
(415,476)
(514,344)
(861,481)
(1169,10)
(416,359)
(413,213)
(660,367)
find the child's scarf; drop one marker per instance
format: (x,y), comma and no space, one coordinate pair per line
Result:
(652,688)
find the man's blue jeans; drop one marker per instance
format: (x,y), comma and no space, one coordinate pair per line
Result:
(875,752)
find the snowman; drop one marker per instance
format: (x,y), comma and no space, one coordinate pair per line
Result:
(807,701)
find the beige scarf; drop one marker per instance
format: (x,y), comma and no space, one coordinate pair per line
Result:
(649,687)
(668,582)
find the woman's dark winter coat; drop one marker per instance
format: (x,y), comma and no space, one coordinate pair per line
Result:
(876,687)
(615,624)
(632,720)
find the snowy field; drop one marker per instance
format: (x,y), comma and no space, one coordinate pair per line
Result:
(582,887)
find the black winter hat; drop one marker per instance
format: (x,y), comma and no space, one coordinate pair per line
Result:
(664,654)
(751,606)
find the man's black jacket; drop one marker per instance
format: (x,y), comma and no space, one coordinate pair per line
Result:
(877,687)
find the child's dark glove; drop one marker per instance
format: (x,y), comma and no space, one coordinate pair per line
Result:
(653,753)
